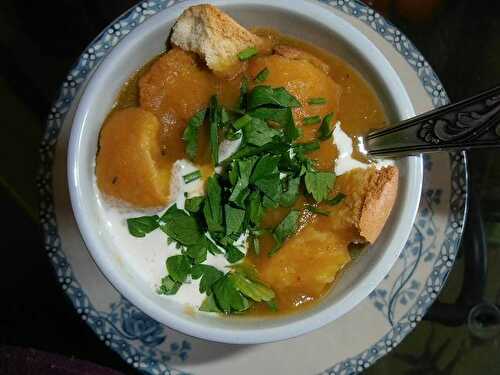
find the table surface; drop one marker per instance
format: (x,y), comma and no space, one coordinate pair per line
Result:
(459,38)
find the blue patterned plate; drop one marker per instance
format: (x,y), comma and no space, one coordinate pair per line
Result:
(346,346)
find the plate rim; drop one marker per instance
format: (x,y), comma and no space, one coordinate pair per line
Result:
(85,65)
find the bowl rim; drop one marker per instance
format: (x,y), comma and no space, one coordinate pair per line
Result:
(132,292)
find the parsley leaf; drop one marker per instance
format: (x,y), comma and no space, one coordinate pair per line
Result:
(228,298)
(270,186)
(242,121)
(140,226)
(168,286)
(178,267)
(254,208)
(209,305)
(319,184)
(197,252)
(286,228)
(266,95)
(258,133)
(193,204)
(262,75)
(212,207)
(233,254)
(180,226)
(278,115)
(209,275)
(336,199)
(247,53)
(250,288)
(265,167)
(290,192)
(243,170)
(234,219)
(326,129)
(190,135)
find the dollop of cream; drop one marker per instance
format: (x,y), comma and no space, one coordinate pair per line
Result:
(345,162)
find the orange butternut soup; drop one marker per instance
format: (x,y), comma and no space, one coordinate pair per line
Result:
(173,87)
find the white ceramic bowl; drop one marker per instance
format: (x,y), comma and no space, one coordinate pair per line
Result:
(306,20)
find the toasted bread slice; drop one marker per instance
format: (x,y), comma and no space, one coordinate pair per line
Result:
(216,37)
(370,196)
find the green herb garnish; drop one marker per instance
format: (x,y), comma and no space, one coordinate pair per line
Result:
(168,286)
(268,170)
(140,226)
(262,75)
(286,228)
(319,184)
(326,129)
(190,135)
(317,101)
(266,95)
(190,177)
(247,53)
(311,120)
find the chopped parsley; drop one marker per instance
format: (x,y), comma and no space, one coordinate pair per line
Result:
(270,169)
(140,226)
(326,129)
(262,75)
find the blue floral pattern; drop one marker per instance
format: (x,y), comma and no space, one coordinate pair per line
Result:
(137,338)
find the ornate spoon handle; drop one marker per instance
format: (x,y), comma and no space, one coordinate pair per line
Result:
(471,123)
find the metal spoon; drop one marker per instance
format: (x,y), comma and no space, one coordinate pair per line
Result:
(468,124)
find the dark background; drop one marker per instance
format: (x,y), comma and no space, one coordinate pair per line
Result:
(39,41)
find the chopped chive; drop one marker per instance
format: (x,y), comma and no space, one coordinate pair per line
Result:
(193,176)
(316,210)
(317,101)
(311,120)
(262,76)
(247,53)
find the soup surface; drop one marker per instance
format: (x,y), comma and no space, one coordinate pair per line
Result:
(149,120)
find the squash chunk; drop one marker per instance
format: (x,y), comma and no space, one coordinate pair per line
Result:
(129,165)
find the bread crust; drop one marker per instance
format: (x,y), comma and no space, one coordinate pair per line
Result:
(379,201)
(215,36)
